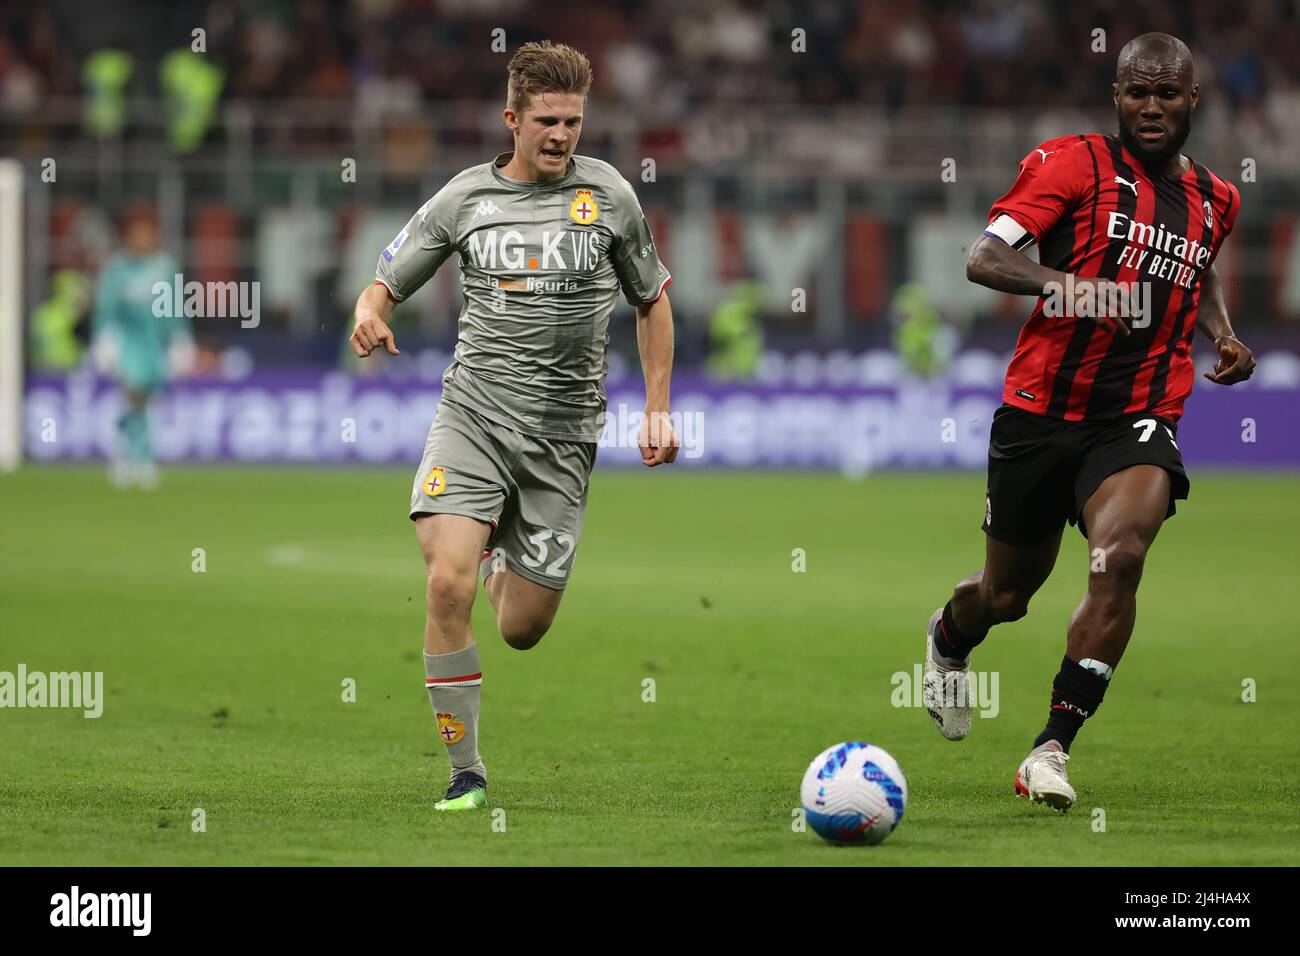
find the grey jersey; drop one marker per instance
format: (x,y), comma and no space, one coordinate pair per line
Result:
(541,268)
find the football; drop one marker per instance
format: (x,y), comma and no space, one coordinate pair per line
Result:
(854,793)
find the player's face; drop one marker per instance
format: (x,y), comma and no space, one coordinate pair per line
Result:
(141,237)
(546,133)
(1154,100)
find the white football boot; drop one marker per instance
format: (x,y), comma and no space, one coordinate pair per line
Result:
(944,688)
(1042,779)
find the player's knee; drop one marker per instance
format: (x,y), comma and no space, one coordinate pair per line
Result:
(522,633)
(450,593)
(1118,567)
(1009,605)
(969,587)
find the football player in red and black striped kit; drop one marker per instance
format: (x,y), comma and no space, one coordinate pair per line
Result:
(1127,229)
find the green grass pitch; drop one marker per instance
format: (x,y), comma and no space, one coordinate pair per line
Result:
(224,688)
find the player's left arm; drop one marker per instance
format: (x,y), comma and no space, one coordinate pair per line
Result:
(645,280)
(654,341)
(1236,363)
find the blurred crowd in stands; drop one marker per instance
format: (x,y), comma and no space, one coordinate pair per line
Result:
(807,83)
(905,56)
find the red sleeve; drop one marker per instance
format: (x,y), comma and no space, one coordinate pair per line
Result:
(1228,217)
(1050,184)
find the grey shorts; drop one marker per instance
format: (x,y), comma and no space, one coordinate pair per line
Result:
(532,491)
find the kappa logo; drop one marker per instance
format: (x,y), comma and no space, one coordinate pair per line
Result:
(486,207)
(1044,154)
(1133,186)
(1209,214)
(583,209)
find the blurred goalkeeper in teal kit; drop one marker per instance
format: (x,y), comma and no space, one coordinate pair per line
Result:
(137,345)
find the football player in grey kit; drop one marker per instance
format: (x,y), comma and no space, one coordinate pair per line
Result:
(547,241)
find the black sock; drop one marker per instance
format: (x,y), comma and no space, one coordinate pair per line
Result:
(949,641)
(1076,695)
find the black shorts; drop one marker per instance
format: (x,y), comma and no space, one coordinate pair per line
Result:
(1042,470)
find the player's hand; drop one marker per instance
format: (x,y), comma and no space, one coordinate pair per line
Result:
(370,333)
(106,353)
(657,439)
(181,356)
(1235,363)
(1105,291)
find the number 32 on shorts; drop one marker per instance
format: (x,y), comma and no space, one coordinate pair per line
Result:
(555,568)
(1148,425)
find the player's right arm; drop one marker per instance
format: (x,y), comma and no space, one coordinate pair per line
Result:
(105,332)
(407,263)
(995,265)
(374,309)
(104,319)
(1050,183)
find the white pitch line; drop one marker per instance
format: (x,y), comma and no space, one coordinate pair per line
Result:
(342,556)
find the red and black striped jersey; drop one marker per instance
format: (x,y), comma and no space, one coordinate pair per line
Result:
(1095,211)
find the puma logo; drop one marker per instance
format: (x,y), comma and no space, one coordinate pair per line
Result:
(1132,186)
(1044,155)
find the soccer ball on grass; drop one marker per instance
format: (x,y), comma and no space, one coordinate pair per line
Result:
(854,793)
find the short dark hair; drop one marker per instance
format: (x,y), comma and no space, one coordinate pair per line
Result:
(545,67)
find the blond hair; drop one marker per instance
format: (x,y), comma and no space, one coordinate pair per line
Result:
(545,67)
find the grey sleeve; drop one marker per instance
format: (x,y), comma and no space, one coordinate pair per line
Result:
(636,260)
(424,244)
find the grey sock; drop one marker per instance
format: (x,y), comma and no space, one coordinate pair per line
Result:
(453,681)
